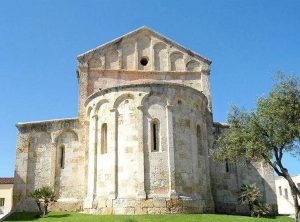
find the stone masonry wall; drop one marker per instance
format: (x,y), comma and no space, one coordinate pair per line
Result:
(38,161)
(227,179)
(136,175)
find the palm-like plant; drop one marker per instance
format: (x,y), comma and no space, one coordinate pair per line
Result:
(43,195)
(251,195)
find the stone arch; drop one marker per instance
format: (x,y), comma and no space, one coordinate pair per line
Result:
(160,56)
(112,59)
(180,100)
(88,111)
(94,63)
(128,54)
(121,98)
(177,62)
(148,95)
(59,139)
(197,106)
(99,104)
(193,66)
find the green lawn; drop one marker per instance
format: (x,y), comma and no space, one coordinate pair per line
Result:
(67,216)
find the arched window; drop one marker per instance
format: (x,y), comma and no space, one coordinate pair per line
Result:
(104,138)
(199,142)
(155,135)
(62,157)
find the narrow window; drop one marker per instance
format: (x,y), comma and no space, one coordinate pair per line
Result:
(155,135)
(227,166)
(104,138)
(280,191)
(2,202)
(199,145)
(62,157)
(286,194)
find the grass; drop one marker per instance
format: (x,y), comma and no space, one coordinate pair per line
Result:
(71,216)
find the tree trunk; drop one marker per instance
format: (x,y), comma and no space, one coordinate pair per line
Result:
(39,205)
(45,214)
(296,207)
(295,194)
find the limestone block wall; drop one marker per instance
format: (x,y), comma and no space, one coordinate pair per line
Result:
(227,179)
(49,154)
(140,57)
(128,167)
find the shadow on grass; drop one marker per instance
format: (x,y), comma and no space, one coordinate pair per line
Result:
(59,216)
(31,216)
(131,220)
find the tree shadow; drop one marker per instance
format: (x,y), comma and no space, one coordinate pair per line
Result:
(59,216)
(23,216)
(130,220)
(31,216)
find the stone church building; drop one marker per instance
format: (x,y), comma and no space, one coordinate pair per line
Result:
(141,141)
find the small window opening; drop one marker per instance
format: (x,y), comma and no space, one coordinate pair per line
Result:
(280,191)
(227,166)
(286,193)
(104,138)
(144,61)
(155,135)
(62,157)
(199,145)
(179,102)
(2,201)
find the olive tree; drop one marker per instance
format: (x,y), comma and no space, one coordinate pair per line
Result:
(268,132)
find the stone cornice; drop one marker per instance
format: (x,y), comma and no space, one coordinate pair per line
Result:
(152,84)
(45,122)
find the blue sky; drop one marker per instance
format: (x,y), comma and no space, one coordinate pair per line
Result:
(248,41)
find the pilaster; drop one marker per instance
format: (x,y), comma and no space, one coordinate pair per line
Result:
(114,153)
(141,154)
(171,154)
(92,162)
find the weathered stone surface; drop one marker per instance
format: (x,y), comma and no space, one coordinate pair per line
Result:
(140,143)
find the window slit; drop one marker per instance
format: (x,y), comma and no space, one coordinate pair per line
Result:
(155,135)
(104,138)
(62,157)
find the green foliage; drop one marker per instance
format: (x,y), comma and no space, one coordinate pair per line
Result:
(251,195)
(261,208)
(43,196)
(267,132)
(273,128)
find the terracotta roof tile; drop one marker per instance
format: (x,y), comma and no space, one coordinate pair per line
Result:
(7,180)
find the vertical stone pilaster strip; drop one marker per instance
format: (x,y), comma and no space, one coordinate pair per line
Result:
(53,165)
(171,153)
(136,55)
(141,154)
(114,151)
(91,161)
(152,62)
(205,82)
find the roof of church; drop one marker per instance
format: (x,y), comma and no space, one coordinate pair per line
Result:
(7,180)
(139,30)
